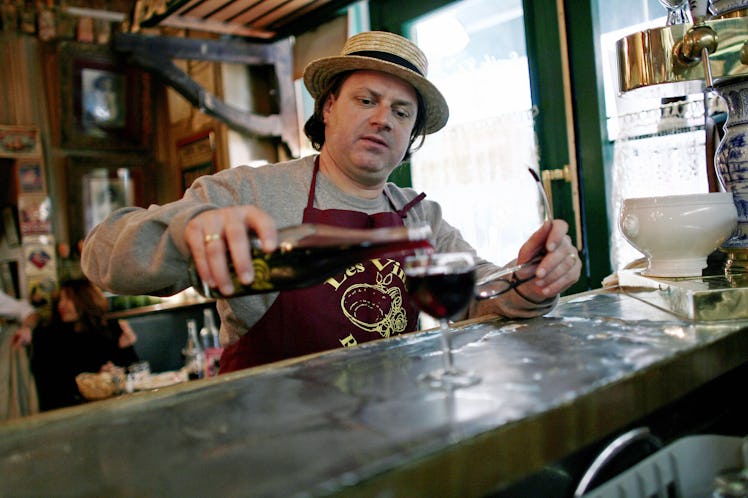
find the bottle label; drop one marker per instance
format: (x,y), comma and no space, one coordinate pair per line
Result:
(262,275)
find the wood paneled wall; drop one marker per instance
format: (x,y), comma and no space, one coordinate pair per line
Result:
(20,82)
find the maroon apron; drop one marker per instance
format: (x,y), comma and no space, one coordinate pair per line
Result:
(368,301)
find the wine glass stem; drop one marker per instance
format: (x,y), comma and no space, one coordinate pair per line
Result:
(446,339)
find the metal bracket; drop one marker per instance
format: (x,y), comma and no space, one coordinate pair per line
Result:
(154,54)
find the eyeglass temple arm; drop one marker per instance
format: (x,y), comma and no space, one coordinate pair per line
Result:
(543,195)
(509,270)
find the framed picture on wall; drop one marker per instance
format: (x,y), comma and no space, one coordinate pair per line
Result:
(35,214)
(105,102)
(196,156)
(104,191)
(192,173)
(97,186)
(19,141)
(31,176)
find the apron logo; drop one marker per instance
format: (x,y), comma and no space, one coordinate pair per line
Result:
(376,307)
(349,272)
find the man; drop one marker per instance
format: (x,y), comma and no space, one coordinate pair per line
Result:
(373,104)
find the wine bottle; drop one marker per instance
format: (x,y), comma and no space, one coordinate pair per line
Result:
(211,343)
(209,332)
(194,356)
(308,254)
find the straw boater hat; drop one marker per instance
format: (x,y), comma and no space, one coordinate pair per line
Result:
(386,52)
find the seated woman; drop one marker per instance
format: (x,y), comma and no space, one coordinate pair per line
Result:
(77,339)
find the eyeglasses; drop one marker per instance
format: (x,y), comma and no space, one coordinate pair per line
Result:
(494,284)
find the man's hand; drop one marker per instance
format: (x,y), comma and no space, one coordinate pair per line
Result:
(560,267)
(211,233)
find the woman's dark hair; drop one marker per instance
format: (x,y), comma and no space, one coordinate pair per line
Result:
(315,125)
(89,300)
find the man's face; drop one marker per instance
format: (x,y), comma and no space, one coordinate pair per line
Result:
(368,125)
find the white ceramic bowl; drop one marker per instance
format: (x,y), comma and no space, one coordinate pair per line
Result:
(677,232)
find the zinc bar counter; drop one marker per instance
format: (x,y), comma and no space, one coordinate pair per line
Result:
(356,422)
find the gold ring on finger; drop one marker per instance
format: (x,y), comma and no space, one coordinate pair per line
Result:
(212,237)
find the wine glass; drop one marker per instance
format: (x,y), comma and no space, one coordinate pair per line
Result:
(442,286)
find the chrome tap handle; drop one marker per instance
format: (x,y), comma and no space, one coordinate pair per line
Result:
(708,81)
(699,41)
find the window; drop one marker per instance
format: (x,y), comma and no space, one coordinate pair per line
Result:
(477,166)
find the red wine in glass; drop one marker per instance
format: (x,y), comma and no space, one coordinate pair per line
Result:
(442,286)
(442,295)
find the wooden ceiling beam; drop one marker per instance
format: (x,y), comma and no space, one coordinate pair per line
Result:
(155,54)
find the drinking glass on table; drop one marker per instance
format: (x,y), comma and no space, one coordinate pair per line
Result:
(442,286)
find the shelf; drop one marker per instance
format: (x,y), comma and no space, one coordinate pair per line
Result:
(184,299)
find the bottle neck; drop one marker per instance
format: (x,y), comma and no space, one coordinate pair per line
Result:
(208,319)
(192,338)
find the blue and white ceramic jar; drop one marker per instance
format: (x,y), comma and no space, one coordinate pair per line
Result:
(732,164)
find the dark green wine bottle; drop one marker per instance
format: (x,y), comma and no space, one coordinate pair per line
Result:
(310,253)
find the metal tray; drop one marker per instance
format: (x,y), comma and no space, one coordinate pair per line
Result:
(709,297)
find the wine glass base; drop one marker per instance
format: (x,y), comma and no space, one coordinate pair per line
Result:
(448,379)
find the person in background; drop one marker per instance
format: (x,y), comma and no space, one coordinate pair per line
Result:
(373,108)
(77,339)
(22,312)
(17,393)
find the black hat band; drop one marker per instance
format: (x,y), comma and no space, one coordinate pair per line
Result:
(387,57)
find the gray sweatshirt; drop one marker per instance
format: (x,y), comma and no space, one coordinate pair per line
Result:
(143,251)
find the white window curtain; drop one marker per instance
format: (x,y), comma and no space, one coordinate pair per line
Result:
(477,167)
(659,151)
(478,171)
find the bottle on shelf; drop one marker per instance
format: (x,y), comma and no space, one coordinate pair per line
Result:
(194,356)
(308,254)
(211,343)
(209,332)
